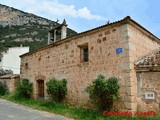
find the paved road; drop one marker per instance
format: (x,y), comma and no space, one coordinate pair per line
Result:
(12,111)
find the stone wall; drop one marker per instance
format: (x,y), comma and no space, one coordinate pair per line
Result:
(62,60)
(10,81)
(148,82)
(140,43)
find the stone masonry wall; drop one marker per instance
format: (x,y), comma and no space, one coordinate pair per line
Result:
(63,61)
(11,83)
(139,46)
(148,82)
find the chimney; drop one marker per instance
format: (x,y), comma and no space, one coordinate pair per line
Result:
(64,30)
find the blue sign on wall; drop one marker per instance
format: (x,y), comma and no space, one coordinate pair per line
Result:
(118,50)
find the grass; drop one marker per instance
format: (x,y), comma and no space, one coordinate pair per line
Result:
(66,110)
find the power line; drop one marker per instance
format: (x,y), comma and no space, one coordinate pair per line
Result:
(10,67)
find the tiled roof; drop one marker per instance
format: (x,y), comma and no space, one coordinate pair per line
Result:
(150,62)
(10,76)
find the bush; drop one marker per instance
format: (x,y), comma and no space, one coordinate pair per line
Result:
(5,72)
(57,89)
(24,88)
(3,89)
(104,92)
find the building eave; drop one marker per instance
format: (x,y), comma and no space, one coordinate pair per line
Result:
(10,76)
(144,30)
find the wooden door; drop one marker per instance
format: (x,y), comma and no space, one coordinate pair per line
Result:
(40,88)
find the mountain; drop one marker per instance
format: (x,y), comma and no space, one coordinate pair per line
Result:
(18,27)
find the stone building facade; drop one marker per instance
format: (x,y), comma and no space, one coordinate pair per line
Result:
(111,50)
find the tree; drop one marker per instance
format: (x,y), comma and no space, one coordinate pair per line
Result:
(57,89)
(3,89)
(24,88)
(103,92)
(5,72)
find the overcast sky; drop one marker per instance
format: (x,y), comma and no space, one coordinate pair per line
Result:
(83,15)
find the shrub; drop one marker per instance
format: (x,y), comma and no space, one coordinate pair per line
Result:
(57,89)
(103,92)
(3,89)
(5,72)
(24,88)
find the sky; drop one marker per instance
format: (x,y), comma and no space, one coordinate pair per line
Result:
(82,15)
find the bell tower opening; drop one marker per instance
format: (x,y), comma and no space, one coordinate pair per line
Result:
(57,33)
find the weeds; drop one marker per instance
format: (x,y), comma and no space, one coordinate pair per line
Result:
(66,110)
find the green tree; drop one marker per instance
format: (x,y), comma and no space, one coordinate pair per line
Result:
(104,92)
(24,88)
(3,89)
(57,89)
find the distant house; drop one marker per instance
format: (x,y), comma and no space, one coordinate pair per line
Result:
(123,49)
(10,59)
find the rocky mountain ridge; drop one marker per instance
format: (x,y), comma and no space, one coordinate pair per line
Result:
(18,27)
(13,17)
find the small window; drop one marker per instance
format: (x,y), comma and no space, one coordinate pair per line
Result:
(26,65)
(85,54)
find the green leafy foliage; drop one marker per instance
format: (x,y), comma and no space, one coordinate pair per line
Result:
(24,88)
(73,112)
(3,89)
(57,89)
(5,72)
(103,92)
